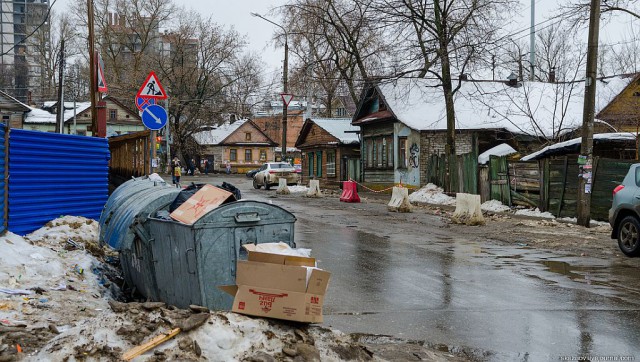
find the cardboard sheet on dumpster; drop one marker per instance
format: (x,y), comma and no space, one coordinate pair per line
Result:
(206,199)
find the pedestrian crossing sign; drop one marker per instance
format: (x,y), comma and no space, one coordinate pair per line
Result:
(151,88)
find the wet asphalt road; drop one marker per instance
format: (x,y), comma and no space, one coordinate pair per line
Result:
(410,276)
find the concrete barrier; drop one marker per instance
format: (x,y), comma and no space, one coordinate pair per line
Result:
(350,192)
(400,200)
(314,189)
(468,210)
(282,186)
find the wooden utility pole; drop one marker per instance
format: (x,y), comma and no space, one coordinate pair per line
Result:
(586,149)
(92,71)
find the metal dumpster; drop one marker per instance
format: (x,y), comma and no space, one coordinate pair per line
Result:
(123,226)
(191,261)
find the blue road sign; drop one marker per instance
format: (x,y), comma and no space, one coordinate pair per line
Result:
(144,102)
(154,117)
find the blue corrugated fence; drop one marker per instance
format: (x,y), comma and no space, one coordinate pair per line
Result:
(3,183)
(52,175)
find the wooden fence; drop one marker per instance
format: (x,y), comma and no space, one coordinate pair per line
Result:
(551,184)
(464,177)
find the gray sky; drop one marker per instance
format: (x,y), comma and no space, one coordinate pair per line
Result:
(259,32)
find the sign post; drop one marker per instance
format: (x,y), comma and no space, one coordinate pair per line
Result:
(154,117)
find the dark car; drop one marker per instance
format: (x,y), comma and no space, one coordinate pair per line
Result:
(250,173)
(624,215)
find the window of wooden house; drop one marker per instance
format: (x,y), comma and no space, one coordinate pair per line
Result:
(248,155)
(310,159)
(389,151)
(319,163)
(402,152)
(113,114)
(379,153)
(263,155)
(369,152)
(233,155)
(247,136)
(331,163)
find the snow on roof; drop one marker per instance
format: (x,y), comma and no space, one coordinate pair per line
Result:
(218,134)
(502,149)
(339,128)
(619,136)
(37,115)
(535,108)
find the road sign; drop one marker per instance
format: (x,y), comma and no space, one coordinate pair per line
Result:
(287,98)
(151,88)
(154,117)
(102,84)
(144,102)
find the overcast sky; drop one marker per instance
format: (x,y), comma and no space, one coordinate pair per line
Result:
(236,13)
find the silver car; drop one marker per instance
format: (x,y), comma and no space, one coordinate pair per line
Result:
(624,215)
(270,172)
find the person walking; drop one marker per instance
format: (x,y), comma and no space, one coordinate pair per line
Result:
(174,163)
(177,172)
(228,167)
(192,167)
(206,166)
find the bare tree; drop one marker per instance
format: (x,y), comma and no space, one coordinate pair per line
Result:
(445,37)
(199,65)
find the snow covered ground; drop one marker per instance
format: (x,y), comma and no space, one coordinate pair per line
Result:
(432,194)
(57,303)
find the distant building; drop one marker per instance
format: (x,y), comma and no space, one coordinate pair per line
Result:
(20,72)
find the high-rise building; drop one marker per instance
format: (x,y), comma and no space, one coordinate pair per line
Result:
(20,71)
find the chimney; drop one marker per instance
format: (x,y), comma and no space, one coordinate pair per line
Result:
(552,75)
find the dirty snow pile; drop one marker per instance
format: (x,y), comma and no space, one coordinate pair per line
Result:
(495,206)
(298,189)
(432,194)
(58,292)
(535,213)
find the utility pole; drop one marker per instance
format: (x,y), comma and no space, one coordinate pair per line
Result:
(60,118)
(92,71)
(284,104)
(585,159)
(532,41)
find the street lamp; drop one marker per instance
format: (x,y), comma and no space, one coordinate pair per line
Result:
(284,78)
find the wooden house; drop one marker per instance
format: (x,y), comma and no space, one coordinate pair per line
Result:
(622,114)
(77,118)
(404,125)
(240,143)
(12,111)
(330,150)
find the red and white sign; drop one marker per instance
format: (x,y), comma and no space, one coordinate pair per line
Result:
(286,98)
(102,84)
(151,88)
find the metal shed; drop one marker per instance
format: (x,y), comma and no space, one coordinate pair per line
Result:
(191,261)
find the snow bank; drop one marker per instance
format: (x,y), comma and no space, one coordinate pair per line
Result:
(495,206)
(432,194)
(535,213)
(298,189)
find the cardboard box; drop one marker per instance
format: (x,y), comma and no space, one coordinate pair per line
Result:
(279,286)
(204,200)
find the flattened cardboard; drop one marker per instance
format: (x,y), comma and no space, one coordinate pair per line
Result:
(264,257)
(206,199)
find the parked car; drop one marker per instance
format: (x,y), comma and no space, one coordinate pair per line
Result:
(624,215)
(270,172)
(250,173)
